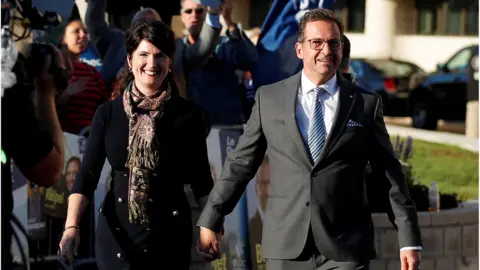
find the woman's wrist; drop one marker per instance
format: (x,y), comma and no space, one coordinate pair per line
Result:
(77,228)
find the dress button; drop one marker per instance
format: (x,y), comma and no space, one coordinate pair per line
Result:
(120,200)
(175,213)
(118,229)
(150,200)
(315,174)
(148,229)
(125,174)
(145,250)
(307,204)
(120,255)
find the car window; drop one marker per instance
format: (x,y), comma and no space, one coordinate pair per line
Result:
(390,68)
(460,60)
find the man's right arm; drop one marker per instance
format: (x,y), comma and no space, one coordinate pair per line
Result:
(196,54)
(239,168)
(100,33)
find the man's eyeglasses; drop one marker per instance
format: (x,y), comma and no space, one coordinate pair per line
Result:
(198,11)
(319,44)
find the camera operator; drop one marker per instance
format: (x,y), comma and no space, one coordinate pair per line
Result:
(31,134)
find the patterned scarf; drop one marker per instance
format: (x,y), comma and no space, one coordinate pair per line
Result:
(143,113)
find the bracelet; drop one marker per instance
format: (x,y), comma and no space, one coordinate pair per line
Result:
(73,226)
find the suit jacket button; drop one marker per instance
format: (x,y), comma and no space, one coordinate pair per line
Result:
(120,200)
(118,229)
(125,174)
(307,204)
(120,255)
(145,250)
(175,213)
(150,200)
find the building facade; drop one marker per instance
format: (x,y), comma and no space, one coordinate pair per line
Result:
(425,32)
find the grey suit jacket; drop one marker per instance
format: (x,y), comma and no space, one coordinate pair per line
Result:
(110,43)
(329,196)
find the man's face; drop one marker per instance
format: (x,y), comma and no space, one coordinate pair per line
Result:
(321,48)
(72,170)
(193,15)
(262,183)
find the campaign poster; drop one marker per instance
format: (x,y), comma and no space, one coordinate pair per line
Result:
(42,211)
(257,195)
(235,245)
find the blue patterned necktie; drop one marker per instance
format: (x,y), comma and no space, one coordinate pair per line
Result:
(317,131)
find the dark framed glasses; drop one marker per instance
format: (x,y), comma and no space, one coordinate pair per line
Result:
(319,44)
(198,11)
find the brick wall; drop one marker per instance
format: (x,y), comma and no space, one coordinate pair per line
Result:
(450,241)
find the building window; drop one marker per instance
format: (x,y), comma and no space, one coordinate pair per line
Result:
(352,14)
(442,17)
(427,21)
(453,24)
(471,27)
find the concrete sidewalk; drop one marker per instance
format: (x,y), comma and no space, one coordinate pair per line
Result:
(459,140)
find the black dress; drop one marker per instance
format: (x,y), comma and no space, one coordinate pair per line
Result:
(167,238)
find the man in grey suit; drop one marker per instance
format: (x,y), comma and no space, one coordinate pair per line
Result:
(320,131)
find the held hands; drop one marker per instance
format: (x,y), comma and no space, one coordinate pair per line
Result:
(410,259)
(209,244)
(69,244)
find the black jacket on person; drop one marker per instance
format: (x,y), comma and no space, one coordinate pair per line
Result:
(184,160)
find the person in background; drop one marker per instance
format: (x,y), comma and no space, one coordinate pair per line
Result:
(86,90)
(344,67)
(145,134)
(31,137)
(110,42)
(214,84)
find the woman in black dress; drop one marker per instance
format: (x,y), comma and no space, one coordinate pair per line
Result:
(155,142)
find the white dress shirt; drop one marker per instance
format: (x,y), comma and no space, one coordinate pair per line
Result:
(304,109)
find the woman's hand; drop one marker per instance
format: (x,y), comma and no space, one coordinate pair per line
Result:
(69,244)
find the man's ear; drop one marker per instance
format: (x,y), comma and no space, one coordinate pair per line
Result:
(299,50)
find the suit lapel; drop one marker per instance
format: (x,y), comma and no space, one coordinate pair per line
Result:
(347,97)
(290,103)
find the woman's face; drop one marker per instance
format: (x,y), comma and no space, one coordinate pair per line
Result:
(149,65)
(76,37)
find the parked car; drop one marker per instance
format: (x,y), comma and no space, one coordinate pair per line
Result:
(389,78)
(442,94)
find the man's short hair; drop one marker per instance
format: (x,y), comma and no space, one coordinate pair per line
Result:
(318,14)
(144,11)
(346,46)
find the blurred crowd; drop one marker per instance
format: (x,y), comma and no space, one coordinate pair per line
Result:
(212,63)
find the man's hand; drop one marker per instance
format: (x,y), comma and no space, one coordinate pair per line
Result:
(410,259)
(227,8)
(209,244)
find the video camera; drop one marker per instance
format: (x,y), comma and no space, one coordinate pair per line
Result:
(19,13)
